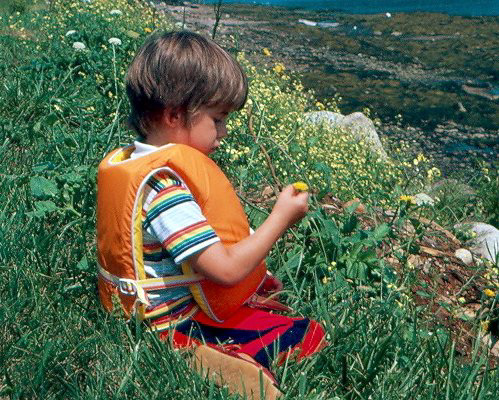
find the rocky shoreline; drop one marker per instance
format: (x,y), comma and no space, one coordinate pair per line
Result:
(433,86)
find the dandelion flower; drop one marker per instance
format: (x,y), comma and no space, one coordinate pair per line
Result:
(79,46)
(408,199)
(300,186)
(266,52)
(71,32)
(489,293)
(114,41)
(115,12)
(147,30)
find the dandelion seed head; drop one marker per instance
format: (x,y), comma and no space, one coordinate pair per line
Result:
(115,41)
(79,46)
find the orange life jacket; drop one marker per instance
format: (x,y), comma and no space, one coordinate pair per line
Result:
(121,181)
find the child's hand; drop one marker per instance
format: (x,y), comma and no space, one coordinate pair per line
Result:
(291,205)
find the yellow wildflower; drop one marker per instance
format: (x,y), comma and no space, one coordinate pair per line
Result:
(320,106)
(279,68)
(147,30)
(489,293)
(300,186)
(485,326)
(408,199)
(266,52)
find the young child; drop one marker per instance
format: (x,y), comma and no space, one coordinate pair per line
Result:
(165,209)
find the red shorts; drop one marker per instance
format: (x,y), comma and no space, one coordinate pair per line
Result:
(264,336)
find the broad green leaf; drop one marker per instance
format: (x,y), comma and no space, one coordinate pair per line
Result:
(381,231)
(82,264)
(42,187)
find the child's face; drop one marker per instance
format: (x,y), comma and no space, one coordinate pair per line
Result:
(207,128)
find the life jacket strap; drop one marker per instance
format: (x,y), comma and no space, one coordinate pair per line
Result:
(140,287)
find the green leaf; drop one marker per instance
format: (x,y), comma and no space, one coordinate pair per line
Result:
(42,208)
(42,187)
(133,34)
(424,294)
(381,231)
(350,224)
(82,264)
(368,256)
(51,119)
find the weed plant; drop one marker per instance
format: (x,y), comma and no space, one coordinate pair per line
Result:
(63,108)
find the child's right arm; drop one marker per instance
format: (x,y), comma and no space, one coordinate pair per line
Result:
(230,265)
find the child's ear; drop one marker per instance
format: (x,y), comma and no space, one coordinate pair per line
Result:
(173,118)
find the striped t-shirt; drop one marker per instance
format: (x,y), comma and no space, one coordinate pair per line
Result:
(173,229)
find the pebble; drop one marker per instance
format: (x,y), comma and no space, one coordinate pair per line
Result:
(464,255)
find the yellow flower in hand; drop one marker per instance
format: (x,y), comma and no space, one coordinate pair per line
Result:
(300,186)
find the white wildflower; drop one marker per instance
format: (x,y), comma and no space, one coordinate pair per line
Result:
(69,33)
(388,15)
(79,46)
(115,41)
(115,12)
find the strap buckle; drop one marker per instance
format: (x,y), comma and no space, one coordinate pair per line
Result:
(130,287)
(127,287)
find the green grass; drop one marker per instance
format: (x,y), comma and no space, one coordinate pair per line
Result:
(62,110)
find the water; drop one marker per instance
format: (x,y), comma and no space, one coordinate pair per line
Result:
(454,7)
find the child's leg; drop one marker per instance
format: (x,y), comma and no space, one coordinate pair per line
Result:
(241,374)
(260,334)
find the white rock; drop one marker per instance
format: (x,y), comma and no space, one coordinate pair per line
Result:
(464,255)
(422,199)
(357,123)
(328,24)
(307,22)
(388,15)
(486,242)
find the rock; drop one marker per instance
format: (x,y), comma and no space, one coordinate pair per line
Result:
(395,33)
(483,92)
(422,199)
(450,186)
(307,22)
(486,242)
(461,108)
(357,123)
(464,255)
(328,24)
(359,209)
(415,261)
(377,33)
(363,129)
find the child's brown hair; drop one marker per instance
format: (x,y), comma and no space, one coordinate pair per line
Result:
(181,72)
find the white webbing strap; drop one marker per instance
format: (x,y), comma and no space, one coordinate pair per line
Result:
(139,288)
